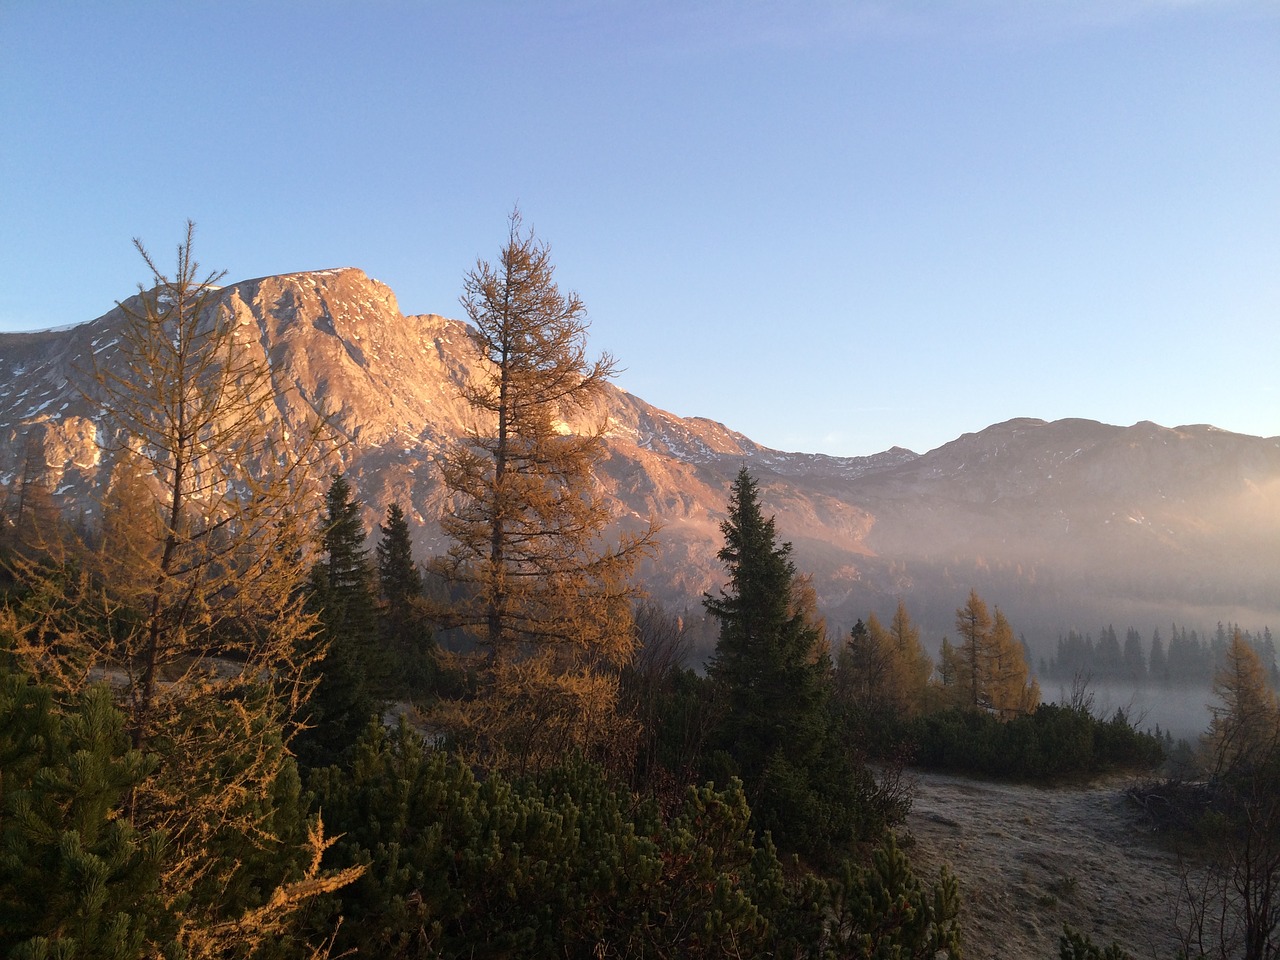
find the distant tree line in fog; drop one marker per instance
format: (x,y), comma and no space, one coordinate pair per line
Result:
(1185,659)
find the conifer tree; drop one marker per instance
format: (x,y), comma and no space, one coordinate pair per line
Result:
(76,878)
(406,637)
(1245,728)
(398,578)
(860,665)
(1158,664)
(31,509)
(988,671)
(949,669)
(534,585)
(973,624)
(911,665)
(773,674)
(1233,902)
(1135,662)
(1012,690)
(191,593)
(185,407)
(342,597)
(767,659)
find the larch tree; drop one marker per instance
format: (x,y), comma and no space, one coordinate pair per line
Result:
(1244,731)
(911,665)
(973,624)
(988,670)
(1012,689)
(203,514)
(884,670)
(533,583)
(1232,901)
(190,594)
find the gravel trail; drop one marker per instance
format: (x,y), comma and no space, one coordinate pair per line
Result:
(1029,859)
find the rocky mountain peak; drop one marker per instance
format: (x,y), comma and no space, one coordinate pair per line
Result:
(1122,521)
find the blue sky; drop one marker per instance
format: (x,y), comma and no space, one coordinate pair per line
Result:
(835,227)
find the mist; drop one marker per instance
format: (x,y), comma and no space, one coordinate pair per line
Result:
(1182,711)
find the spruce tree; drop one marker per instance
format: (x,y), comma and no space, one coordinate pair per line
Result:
(342,597)
(1158,663)
(398,576)
(406,637)
(774,679)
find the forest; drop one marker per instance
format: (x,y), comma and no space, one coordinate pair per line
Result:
(231,728)
(1185,659)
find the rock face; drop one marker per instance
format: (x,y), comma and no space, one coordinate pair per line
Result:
(1065,524)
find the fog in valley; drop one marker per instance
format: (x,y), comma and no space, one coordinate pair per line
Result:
(1182,711)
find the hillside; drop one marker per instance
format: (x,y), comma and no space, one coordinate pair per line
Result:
(1066,524)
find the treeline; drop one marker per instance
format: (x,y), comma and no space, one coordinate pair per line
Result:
(979,711)
(1185,659)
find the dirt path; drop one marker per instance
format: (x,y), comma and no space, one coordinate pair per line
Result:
(1029,859)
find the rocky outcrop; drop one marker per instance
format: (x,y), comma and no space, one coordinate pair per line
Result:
(1070,523)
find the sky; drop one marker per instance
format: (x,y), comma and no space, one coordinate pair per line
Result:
(836,227)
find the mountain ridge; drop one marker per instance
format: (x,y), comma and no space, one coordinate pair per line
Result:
(1061,522)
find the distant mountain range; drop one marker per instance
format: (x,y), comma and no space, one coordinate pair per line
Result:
(1069,524)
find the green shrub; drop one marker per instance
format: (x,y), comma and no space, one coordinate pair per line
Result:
(1076,946)
(76,879)
(569,864)
(1052,743)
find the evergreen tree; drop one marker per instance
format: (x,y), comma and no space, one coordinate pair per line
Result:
(1075,657)
(398,576)
(774,677)
(1189,661)
(534,586)
(860,666)
(1109,658)
(342,597)
(767,659)
(406,638)
(77,879)
(569,864)
(1157,660)
(1135,663)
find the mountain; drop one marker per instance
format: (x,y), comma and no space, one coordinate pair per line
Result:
(1066,524)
